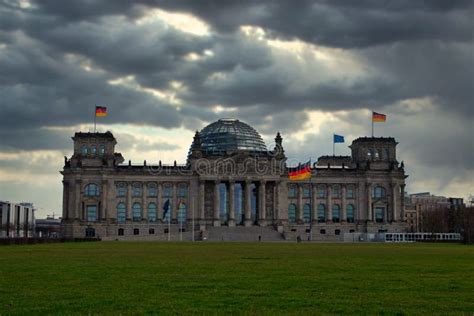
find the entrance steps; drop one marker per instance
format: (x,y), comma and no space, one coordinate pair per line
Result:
(241,233)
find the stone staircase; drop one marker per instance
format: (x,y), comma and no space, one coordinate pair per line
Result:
(241,233)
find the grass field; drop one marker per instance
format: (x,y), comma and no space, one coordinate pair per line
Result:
(238,278)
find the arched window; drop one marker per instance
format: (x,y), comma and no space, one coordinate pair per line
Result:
(350,213)
(322,191)
(101,149)
(350,191)
(152,212)
(321,213)
(336,213)
(84,150)
(152,190)
(137,212)
(182,213)
(336,191)
(292,191)
(92,189)
(292,213)
(379,192)
(121,189)
(167,190)
(121,213)
(307,213)
(137,189)
(93,150)
(306,192)
(182,190)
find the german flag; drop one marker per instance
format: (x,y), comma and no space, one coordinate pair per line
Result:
(100,111)
(302,172)
(378,117)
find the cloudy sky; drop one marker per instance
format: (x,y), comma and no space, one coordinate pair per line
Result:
(166,68)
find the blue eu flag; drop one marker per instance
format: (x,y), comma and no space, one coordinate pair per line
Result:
(338,138)
(166,208)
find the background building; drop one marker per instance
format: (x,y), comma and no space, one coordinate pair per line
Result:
(232,187)
(17,220)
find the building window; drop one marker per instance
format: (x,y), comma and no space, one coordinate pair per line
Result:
(321,213)
(167,191)
(137,212)
(92,189)
(182,213)
(377,154)
(120,231)
(292,191)
(306,192)
(93,150)
(182,190)
(102,149)
(386,154)
(379,214)
(321,191)
(292,213)
(136,231)
(337,232)
(167,207)
(137,189)
(121,213)
(350,192)
(90,232)
(322,231)
(152,212)
(336,213)
(91,213)
(350,213)
(152,190)
(378,192)
(121,189)
(84,150)
(151,231)
(370,154)
(336,191)
(307,213)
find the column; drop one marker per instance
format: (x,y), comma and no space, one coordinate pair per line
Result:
(329,204)
(394,202)
(174,208)
(231,197)
(343,206)
(129,201)
(159,210)
(217,204)
(314,204)
(104,212)
(299,215)
(111,200)
(248,204)
(78,213)
(370,215)
(262,205)
(144,202)
(71,206)
(202,200)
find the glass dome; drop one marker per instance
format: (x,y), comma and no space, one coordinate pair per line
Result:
(230,135)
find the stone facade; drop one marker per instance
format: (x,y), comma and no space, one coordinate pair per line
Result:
(103,197)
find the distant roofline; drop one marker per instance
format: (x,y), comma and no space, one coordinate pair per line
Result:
(107,134)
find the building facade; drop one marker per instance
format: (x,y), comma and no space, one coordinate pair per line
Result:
(17,219)
(231,179)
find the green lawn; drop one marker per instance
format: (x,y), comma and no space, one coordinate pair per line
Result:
(239,278)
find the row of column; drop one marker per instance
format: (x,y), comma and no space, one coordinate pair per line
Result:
(247,207)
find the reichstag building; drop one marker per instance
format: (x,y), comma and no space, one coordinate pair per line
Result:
(232,187)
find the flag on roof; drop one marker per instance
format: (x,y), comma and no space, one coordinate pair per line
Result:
(100,111)
(302,172)
(378,117)
(338,138)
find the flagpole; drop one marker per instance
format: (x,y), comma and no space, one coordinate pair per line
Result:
(372,123)
(95,118)
(311,204)
(169,224)
(180,223)
(333,146)
(194,205)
